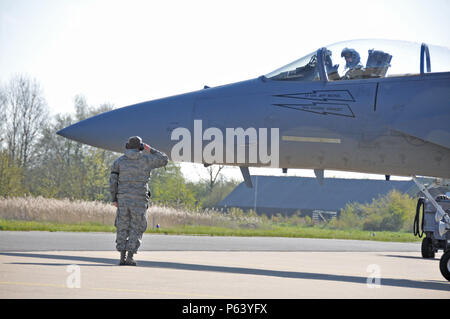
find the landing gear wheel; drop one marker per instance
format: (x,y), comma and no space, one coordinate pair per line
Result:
(427,248)
(444,265)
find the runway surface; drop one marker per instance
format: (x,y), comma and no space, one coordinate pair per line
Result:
(84,265)
(42,241)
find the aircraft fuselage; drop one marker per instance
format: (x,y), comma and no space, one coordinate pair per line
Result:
(392,126)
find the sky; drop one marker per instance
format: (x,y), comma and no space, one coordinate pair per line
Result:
(126,52)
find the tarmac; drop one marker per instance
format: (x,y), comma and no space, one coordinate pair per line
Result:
(360,269)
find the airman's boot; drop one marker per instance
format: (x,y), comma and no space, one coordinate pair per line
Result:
(122,257)
(130,261)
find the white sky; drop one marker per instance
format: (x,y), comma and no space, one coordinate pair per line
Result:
(125,52)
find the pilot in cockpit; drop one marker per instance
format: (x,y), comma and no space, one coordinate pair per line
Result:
(353,66)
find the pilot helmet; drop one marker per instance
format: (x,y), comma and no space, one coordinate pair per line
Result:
(351,53)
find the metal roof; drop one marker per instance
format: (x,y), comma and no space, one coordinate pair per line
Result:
(305,193)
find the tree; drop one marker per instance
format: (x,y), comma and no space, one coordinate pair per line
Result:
(10,177)
(213,173)
(168,187)
(207,198)
(391,212)
(26,112)
(2,116)
(68,169)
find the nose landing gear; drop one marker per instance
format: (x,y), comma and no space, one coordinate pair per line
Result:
(436,225)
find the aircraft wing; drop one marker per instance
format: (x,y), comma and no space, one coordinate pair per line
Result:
(421,110)
(436,136)
(433,128)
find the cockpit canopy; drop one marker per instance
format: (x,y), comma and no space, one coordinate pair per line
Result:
(363,59)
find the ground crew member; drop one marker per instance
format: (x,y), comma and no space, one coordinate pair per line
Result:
(129,191)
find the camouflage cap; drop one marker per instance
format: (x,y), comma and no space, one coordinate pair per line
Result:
(134,142)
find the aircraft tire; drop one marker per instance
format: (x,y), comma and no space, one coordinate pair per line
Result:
(444,265)
(427,248)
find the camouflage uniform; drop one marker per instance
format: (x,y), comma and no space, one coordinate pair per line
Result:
(128,185)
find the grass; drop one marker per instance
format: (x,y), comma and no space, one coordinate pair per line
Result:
(289,231)
(24,225)
(267,231)
(44,214)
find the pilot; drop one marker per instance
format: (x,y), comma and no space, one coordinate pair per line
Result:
(352,64)
(129,191)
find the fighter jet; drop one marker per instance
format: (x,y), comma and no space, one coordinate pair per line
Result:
(372,106)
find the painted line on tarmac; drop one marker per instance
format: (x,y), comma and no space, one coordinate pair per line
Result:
(37,284)
(160,292)
(31,284)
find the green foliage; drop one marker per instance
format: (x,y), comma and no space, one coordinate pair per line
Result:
(20,225)
(207,196)
(274,231)
(392,212)
(11,177)
(235,213)
(168,187)
(60,168)
(308,221)
(350,217)
(67,169)
(97,175)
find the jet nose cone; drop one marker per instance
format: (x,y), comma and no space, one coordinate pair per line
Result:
(64,132)
(92,131)
(69,132)
(153,121)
